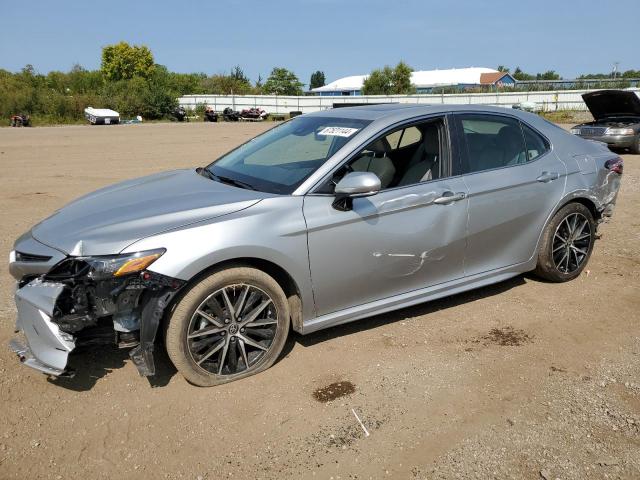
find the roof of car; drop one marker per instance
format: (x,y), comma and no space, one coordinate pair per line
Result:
(389,113)
(367,112)
(399,111)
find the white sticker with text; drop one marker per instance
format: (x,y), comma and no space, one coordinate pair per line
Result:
(338,131)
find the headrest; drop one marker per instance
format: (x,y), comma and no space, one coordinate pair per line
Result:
(510,134)
(379,148)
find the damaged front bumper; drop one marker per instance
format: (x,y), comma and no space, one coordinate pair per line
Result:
(47,346)
(57,314)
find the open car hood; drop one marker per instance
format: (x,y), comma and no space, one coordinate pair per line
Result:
(108,220)
(612,103)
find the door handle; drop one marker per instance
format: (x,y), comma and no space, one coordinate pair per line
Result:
(450,197)
(548,177)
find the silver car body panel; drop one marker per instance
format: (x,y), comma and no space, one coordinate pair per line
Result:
(35,303)
(108,220)
(43,257)
(273,230)
(394,242)
(415,297)
(507,211)
(396,248)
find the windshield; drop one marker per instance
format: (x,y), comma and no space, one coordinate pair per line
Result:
(278,161)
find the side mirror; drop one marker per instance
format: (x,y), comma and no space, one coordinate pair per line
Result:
(355,185)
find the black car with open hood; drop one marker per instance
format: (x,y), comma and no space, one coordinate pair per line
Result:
(616,116)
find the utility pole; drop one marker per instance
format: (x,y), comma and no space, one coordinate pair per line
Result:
(615,69)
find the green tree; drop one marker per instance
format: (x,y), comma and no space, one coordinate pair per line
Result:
(595,76)
(389,81)
(631,74)
(159,98)
(226,85)
(401,80)
(123,61)
(282,82)
(378,82)
(317,80)
(502,68)
(518,74)
(548,75)
(258,87)
(238,74)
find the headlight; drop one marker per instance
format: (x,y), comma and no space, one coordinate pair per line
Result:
(575,131)
(119,265)
(619,131)
(103,267)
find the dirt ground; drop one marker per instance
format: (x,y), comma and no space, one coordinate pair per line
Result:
(523,379)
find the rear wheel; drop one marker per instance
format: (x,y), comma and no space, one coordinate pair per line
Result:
(566,244)
(232,324)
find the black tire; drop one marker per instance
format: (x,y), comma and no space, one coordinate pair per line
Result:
(553,264)
(635,148)
(183,351)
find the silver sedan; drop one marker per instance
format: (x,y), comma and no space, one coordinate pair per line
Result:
(326,219)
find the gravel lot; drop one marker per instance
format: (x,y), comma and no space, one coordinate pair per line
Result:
(523,379)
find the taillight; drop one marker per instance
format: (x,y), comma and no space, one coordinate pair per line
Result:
(615,165)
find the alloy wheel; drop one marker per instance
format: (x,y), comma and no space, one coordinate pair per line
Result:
(571,243)
(232,329)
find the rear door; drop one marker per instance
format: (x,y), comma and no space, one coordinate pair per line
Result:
(514,181)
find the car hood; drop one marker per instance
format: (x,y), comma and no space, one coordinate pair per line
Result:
(612,103)
(108,220)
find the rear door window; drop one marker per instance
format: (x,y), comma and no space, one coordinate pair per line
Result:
(536,144)
(491,141)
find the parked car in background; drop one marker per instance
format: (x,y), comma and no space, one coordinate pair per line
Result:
(616,121)
(325,219)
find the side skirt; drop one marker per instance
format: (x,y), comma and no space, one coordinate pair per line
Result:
(415,297)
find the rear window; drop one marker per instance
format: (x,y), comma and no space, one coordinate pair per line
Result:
(536,144)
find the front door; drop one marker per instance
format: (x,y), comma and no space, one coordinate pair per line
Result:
(406,237)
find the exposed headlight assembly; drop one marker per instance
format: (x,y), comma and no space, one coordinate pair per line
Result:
(108,266)
(119,265)
(575,131)
(619,131)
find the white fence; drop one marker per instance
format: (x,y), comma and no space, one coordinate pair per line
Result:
(548,101)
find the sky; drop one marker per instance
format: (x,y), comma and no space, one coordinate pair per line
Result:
(339,37)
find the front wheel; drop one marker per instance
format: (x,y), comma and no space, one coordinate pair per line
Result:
(231,324)
(566,244)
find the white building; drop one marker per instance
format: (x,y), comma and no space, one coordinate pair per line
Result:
(425,81)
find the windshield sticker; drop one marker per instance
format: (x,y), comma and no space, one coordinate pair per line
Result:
(338,131)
